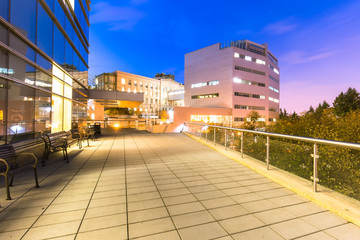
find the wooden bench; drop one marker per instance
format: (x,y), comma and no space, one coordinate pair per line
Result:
(12,162)
(59,141)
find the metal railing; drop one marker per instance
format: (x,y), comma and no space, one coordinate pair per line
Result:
(205,129)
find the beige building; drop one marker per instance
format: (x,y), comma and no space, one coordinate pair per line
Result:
(155,90)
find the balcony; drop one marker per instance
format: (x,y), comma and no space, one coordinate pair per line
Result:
(137,185)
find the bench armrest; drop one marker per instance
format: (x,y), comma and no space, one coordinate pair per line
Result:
(29,154)
(6,164)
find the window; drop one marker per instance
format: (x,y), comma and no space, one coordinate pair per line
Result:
(44,30)
(122,81)
(135,83)
(202,84)
(141,84)
(236,55)
(129,82)
(273,78)
(249,107)
(23,17)
(273,89)
(249,70)
(239,119)
(212,95)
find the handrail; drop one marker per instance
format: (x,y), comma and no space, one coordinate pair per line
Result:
(355,146)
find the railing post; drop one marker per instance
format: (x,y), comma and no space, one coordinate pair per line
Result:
(242,144)
(267,152)
(214,135)
(315,177)
(207,127)
(225,140)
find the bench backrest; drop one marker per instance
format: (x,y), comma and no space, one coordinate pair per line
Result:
(27,145)
(55,136)
(7,152)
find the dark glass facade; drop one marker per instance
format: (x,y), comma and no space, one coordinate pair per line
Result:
(44,50)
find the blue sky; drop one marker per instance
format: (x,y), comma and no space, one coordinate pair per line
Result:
(317,42)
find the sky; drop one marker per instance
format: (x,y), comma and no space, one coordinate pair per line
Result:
(317,43)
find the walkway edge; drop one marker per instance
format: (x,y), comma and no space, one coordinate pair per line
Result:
(346,207)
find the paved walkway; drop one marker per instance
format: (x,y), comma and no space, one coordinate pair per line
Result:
(160,186)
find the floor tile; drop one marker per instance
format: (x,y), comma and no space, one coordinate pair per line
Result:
(150,227)
(203,232)
(192,219)
(240,224)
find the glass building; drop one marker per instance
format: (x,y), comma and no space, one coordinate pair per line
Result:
(43,65)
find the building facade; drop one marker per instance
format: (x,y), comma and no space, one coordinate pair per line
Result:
(156,90)
(241,75)
(43,64)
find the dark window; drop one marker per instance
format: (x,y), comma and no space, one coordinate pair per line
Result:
(4,62)
(20,46)
(59,46)
(238,119)
(21,70)
(3,34)
(4,10)
(50,3)
(23,17)
(44,31)
(129,82)
(69,29)
(69,55)
(59,13)
(40,60)
(249,70)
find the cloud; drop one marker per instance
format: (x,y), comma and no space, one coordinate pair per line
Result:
(298,56)
(280,27)
(115,17)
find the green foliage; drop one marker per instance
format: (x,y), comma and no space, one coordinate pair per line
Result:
(346,102)
(338,168)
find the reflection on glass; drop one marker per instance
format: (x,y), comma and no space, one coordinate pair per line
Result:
(40,60)
(56,114)
(42,111)
(59,46)
(44,31)
(3,34)
(4,10)
(20,46)
(43,80)
(23,17)
(20,70)
(20,109)
(3,85)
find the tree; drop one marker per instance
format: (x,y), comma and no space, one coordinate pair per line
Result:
(346,102)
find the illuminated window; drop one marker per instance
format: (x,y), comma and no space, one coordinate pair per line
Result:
(212,95)
(68,91)
(122,81)
(57,72)
(58,86)
(247,58)
(135,83)
(129,90)
(57,114)
(68,79)
(259,61)
(67,114)
(236,55)
(134,90)
(123,89)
